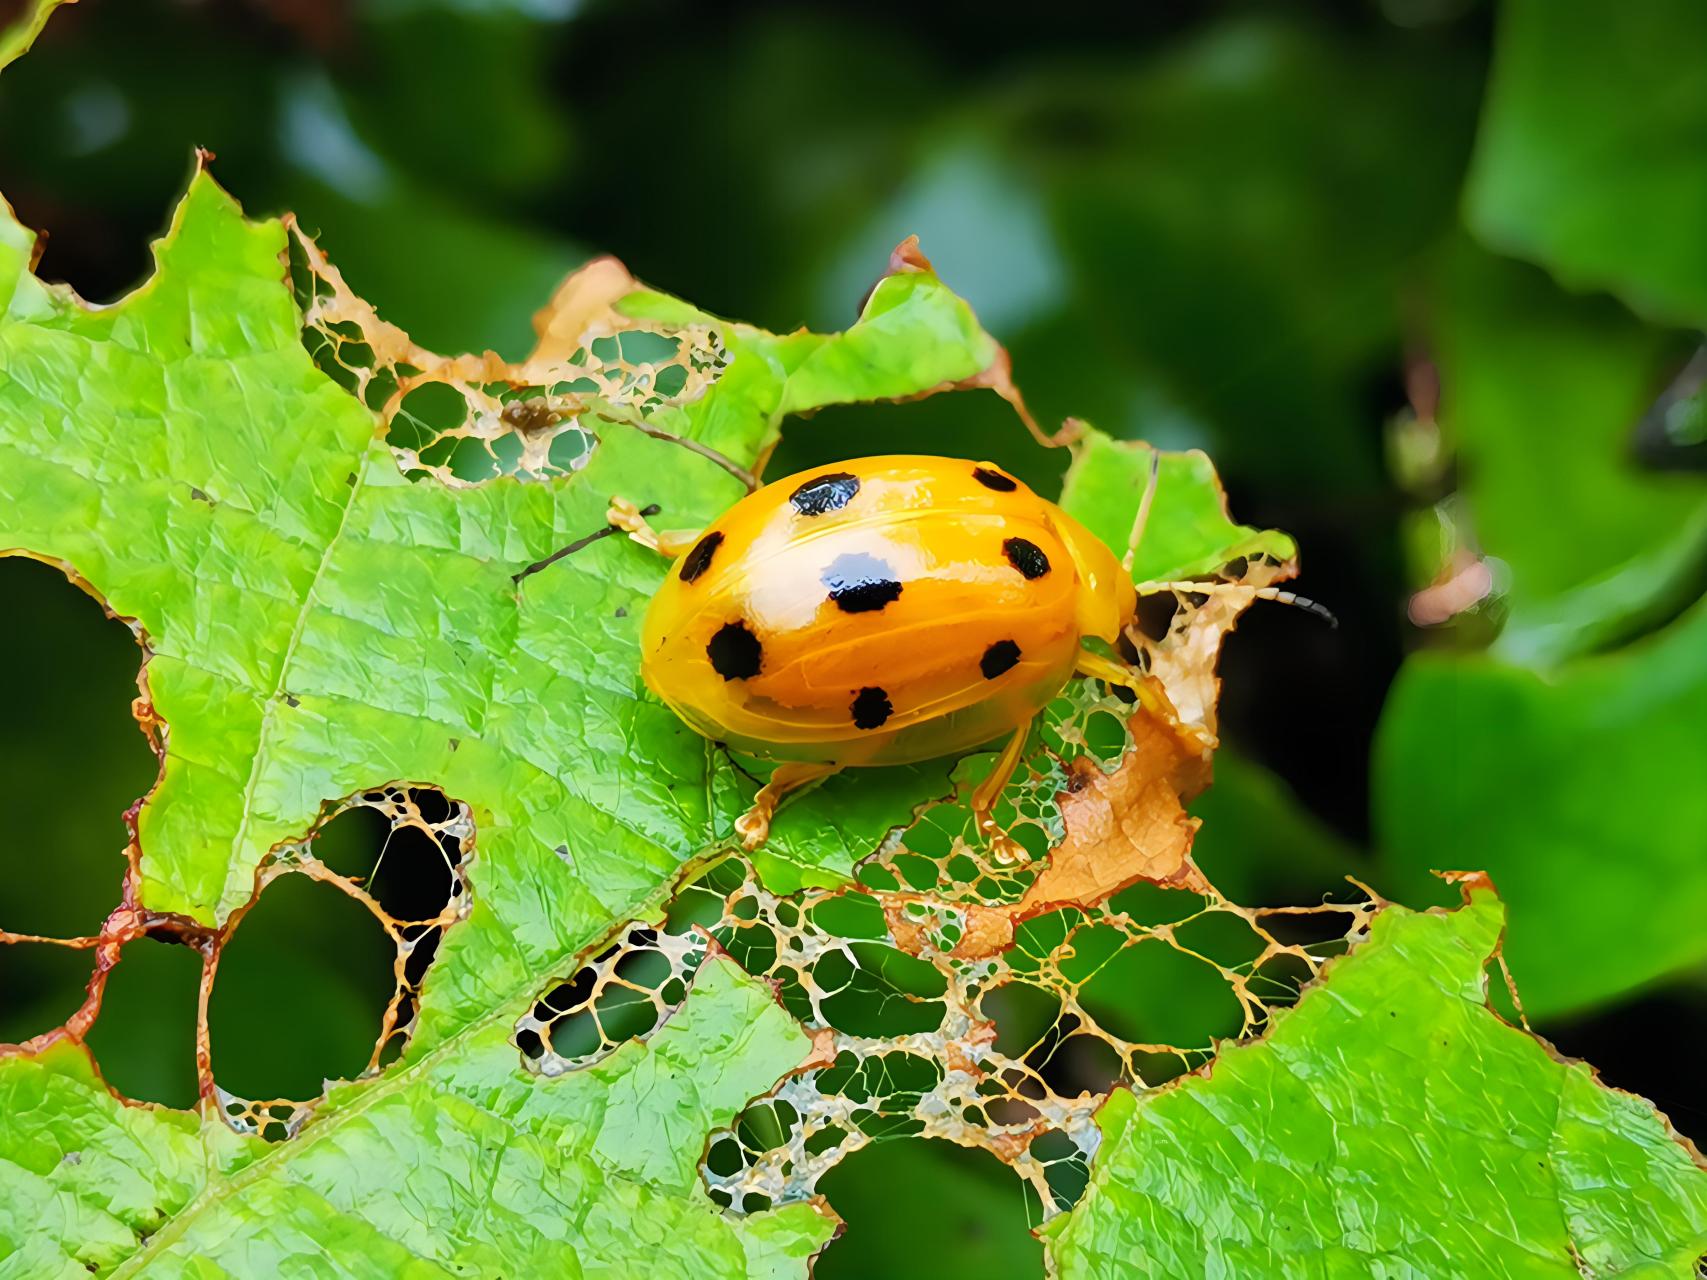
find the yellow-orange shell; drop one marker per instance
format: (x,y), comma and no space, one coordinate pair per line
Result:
(879,611)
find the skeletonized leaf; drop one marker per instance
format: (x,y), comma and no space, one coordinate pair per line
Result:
(1390,1125)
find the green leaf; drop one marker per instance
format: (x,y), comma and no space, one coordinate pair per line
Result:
(20,32)
(183,453)
(1389,1125)
(1540,396)
(103,1173)
(1599,854)
(1589,155)
(1565,775)
(319,623)
(1187,533)
(254,488)
(461,1165)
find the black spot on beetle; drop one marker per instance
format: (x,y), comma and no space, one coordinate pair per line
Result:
(998,659)
(697,561)
(860,583)
(990,478)
(1027,557)
(734,651)
(824,494)
(871,708)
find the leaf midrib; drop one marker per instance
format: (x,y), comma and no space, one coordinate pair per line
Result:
(267,712)
(382,1087)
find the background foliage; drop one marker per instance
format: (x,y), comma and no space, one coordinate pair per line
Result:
(1425,277)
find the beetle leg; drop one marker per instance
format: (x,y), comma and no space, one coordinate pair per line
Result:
(754,825)
(989,791)
(1148,689)
(631,519)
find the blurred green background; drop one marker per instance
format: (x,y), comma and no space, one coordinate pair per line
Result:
(1425,277)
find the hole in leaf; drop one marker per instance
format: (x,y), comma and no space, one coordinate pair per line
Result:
(1153,994)
(1156,1069)
(889,993)
(1221,936)
(145,1036)
(1150,904)
(921,1199)
(851,915)
(1278,980)
(402,865)
(1156,614)
(624,993)
(70,752)
(1022,1013)
(1317,930)
(41,985)
(301,988)
(1066,1168)
(1083,1063)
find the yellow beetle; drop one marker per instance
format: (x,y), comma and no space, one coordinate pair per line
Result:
(876,612)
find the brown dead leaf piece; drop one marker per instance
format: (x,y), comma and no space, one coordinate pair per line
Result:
(989,931)
(1121,827)
(1124,826)
(584,305)
(907,256)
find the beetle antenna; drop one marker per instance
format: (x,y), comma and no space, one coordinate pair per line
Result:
(576,545)
(1143,517)
(1233,588)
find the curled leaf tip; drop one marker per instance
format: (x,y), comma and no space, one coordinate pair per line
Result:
(583,301)
(1470,882)
(908,257)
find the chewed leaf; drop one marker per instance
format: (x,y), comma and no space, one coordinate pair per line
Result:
(329,603)
(1187,534)
(257,494)
(215,455)
(1167,513)
(594,1175)
(377,584)
(1389,1124)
